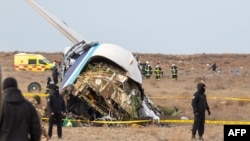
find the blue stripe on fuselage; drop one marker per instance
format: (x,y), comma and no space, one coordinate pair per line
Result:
(73,72)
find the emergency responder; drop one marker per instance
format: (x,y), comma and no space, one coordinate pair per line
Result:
(142,67)
(199,105)
(55,75)
(36,100)
(174,71)
(148,71)
(158,72)
(56,107)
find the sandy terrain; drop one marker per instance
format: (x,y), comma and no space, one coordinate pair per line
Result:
(231,82)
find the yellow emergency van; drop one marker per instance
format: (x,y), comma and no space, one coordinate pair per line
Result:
(31,62)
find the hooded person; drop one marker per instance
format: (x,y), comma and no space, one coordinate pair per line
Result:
(27,126)
(199,105)
(56,107)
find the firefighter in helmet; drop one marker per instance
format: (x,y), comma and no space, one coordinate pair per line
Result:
(158,72)
(148,70)
(174,71)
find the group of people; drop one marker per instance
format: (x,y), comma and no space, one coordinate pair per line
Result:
(147,70)
(28,126)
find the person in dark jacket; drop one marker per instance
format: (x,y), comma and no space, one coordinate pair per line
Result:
(27,126)
(49,86)
(55,75)
(56,107)
(199,104)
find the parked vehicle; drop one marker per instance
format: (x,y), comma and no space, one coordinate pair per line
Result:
(31,62)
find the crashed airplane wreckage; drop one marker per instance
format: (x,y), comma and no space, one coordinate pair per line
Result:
(100,81)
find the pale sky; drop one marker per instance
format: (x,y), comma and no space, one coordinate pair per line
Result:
(141,26)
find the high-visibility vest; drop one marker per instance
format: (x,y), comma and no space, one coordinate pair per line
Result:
(158,71)
(174,70)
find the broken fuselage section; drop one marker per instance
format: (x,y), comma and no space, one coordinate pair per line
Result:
(104,81)
(99,81)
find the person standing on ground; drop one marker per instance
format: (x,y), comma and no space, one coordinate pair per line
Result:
(55,75)
(158,72)
(199,105)
(49,86)
(19,119)
(148,70)
(174,71)
(56,107)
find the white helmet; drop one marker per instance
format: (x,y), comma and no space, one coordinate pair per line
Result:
(173,65)
(157,66)
(147,62)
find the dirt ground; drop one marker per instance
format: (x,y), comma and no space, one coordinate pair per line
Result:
(224,89)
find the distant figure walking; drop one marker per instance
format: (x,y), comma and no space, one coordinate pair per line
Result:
(199,105)
(19,119)
(174,71)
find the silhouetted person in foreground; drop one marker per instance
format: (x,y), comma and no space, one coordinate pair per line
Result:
(19,118)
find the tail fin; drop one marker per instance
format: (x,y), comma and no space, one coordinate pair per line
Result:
(58,24)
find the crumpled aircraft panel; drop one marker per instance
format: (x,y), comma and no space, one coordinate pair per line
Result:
(106,88)
(122,57)
(100,81)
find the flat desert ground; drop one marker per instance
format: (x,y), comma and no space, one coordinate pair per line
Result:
(227,92)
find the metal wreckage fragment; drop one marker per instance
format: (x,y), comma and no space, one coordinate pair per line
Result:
(104,78)
(104,91)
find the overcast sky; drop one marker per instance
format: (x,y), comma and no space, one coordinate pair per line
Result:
(142,26)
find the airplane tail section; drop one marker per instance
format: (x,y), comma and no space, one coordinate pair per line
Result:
(60,25)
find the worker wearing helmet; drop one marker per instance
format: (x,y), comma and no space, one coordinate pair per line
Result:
(148,71)
(143,68)
(174,71)
(158,72)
